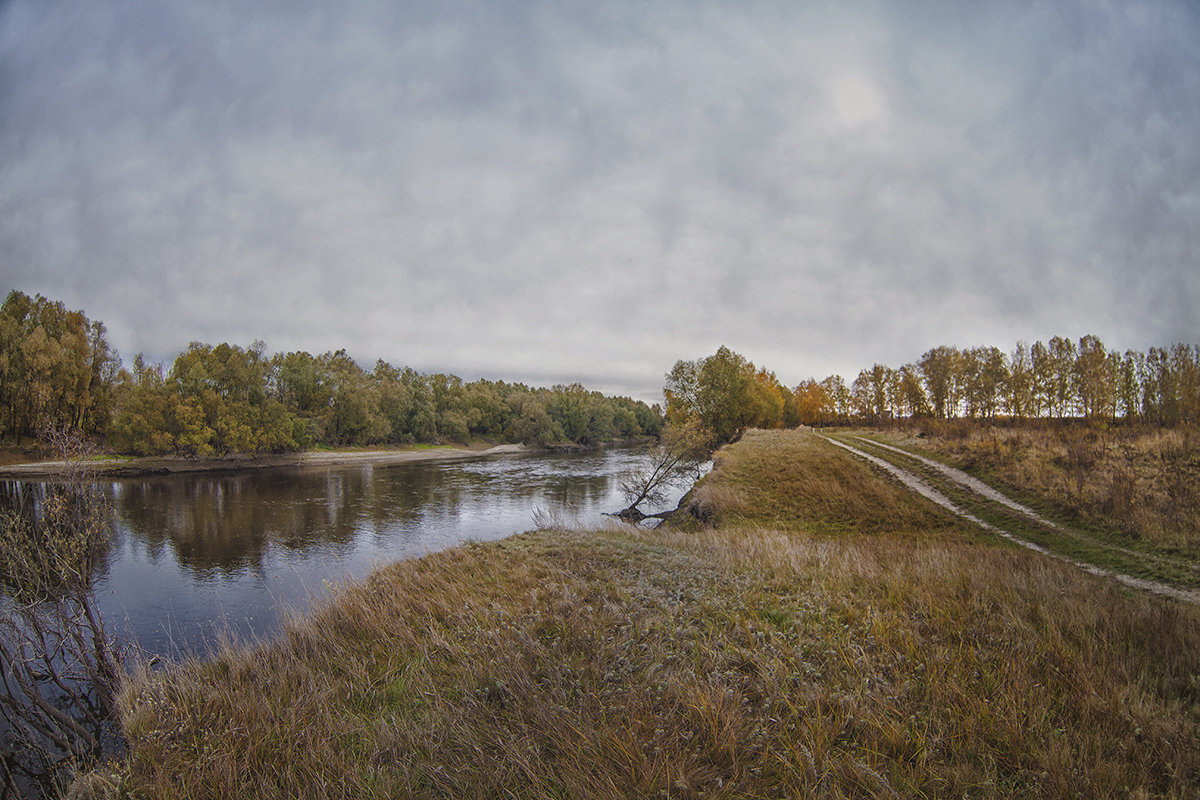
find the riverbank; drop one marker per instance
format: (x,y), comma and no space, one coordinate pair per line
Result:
(133,466)
(829,634)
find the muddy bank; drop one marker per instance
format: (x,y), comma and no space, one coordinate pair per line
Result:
(165,465)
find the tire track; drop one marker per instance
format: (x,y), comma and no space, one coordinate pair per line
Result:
(969,481)
(921,487)
(980,488)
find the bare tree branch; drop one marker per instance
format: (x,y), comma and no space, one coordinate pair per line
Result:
(59,668)
(674,459)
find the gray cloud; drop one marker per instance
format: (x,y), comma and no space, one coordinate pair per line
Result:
(551,192)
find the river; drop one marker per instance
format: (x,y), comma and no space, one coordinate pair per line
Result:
(194,552)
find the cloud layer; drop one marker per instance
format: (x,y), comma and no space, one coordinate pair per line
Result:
(558,191)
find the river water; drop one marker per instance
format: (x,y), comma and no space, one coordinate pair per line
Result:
(194,552)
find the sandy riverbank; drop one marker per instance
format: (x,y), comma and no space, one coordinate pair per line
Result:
(161,465)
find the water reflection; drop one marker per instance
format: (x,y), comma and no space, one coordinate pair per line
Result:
(228,524)
(28,501)
(193,549)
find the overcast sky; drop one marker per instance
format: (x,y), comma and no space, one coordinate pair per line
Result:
(582,191)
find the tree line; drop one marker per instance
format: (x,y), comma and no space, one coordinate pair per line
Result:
(1057,379)
(724,394)
(58,370)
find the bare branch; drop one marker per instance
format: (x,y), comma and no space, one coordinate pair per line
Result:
(59,668)
(674,459)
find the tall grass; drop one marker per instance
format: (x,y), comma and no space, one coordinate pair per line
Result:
(737,661)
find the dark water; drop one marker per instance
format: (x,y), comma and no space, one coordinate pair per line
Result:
(194,551)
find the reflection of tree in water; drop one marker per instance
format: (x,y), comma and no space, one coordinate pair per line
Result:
(228,523)
(27,499)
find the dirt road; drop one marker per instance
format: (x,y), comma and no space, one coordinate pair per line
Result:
(920,486)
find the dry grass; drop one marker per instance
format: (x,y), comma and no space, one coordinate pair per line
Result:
(791,480)
(1143,481)
(740,661)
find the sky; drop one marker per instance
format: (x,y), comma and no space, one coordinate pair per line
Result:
(551,192)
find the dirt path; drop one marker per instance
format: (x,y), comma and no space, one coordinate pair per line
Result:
(970,482)
(919,486)
(983,490)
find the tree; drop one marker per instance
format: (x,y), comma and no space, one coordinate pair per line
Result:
(1128,386)
(717,391)
(674,458)
(911,396)
(984,374)
(530,420)
(813,406)
(1062,374)
(570,409)
(938,366)
(303,384)
(1041,379)
(1093,382)
(838,395)
(1185,362)
(883,380)
(56,367)
(682,392)
(355,416)
(1019,397)
(766,402)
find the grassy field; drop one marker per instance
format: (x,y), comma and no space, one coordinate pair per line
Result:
(823,633)
(1141,483)
(1081,538)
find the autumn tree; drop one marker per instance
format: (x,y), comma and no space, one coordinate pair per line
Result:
(1062,372)
(1185,360)
(1018,398)
(938,366)
(56,368)
(872,392)
(716,391)
(1092,379)
(911,399)
(766,401)
(983,373)
(838,394)
(1041,389)
(1128,387)
(812,403)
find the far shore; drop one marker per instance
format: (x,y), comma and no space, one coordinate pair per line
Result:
(126,466)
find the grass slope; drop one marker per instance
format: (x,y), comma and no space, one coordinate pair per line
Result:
(830,637)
